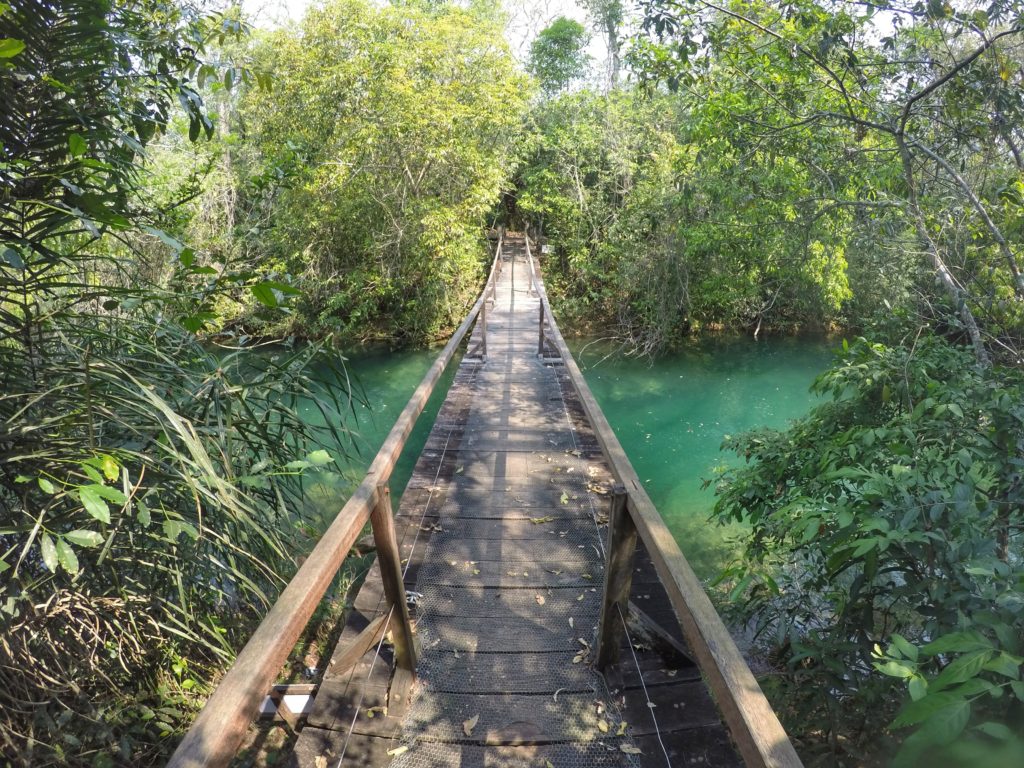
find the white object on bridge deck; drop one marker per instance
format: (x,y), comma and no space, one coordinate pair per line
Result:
(298,703)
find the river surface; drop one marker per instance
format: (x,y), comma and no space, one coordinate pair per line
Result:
(670,415)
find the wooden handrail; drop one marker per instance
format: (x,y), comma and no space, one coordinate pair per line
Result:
(217,732)
(754,726)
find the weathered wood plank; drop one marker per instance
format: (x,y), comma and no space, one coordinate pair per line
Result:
(358,750)
(618,580)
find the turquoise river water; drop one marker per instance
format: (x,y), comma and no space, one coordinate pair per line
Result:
(671,416)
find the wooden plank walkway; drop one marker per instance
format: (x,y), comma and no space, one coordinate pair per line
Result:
(502,531)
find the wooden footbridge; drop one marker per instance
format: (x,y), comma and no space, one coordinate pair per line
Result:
(528,606)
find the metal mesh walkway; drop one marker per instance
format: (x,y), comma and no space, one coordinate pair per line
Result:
(511,573)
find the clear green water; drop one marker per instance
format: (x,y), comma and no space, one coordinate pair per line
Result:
(382,383)
(671,417)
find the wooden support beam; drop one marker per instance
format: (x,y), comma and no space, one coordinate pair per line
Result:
(402,638)
(389,559)
(280,709)
(618,579)
(284,712)
(364,641)
(647,626)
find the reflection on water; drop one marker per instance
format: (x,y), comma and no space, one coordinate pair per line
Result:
(672,415)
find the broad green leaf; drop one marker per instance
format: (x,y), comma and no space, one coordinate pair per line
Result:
(66,557)
(84,538)
(94,503)
(110,468)
(957,642)
(173,242)
(906,648)
(962,668)
(143,514)
(92,474)
(277,285)
(917,687)
(108,493)
(174,528)
(10,47)
(996,730)
(46,486)
(925,709)
(264,294)
(319,458)
(864,546)
(1005,665)
(76,145)
(895,669)
(49,552)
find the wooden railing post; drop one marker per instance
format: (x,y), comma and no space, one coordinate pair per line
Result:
(483,330)
(389,560)
(540,332)
(618,579)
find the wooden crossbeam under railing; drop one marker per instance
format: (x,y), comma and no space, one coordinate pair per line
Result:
(217,732)
(753,724)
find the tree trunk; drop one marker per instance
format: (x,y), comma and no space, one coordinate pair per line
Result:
(614,63)
(942,273)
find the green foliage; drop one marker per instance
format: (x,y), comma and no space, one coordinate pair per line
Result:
(147,484)
(364,177)
(891,514)
(558,55)
(900,121)
(666,217)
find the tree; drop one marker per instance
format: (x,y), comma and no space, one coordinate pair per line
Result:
(885,552)
(147,505)
(395,130)
(558,56)
(909,92)
(608,15)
